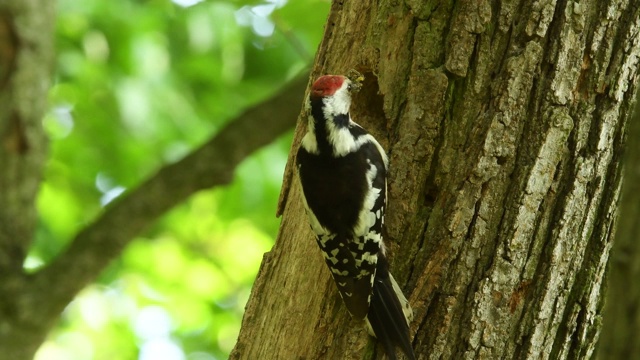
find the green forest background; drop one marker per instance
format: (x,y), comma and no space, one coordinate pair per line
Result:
(138,85)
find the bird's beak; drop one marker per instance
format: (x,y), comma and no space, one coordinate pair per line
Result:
(356,80)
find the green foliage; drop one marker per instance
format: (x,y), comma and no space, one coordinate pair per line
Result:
(138,85)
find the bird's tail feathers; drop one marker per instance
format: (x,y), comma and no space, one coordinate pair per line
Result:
(389,316)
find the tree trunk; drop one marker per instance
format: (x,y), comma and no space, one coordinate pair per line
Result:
(26,59)
(505,123)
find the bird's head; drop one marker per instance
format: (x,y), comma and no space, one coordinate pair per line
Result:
(335,93)
(329,123)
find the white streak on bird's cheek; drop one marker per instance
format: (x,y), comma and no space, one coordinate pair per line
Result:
(338,103)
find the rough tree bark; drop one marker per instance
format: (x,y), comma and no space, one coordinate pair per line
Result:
(505,123)
(26,59)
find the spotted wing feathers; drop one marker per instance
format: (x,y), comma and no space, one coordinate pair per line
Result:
(348,231)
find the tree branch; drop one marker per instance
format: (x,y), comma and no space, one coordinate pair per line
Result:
(211,165)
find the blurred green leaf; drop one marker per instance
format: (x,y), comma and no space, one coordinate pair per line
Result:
(138,85)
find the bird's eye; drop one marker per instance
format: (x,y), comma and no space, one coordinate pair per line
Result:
(349,87)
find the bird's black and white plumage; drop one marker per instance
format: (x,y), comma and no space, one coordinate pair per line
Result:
(343,169)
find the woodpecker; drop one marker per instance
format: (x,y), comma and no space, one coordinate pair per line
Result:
(343,172)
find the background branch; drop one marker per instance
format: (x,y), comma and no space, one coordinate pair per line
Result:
(212,164)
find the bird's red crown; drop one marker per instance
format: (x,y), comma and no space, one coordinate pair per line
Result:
(326,85)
